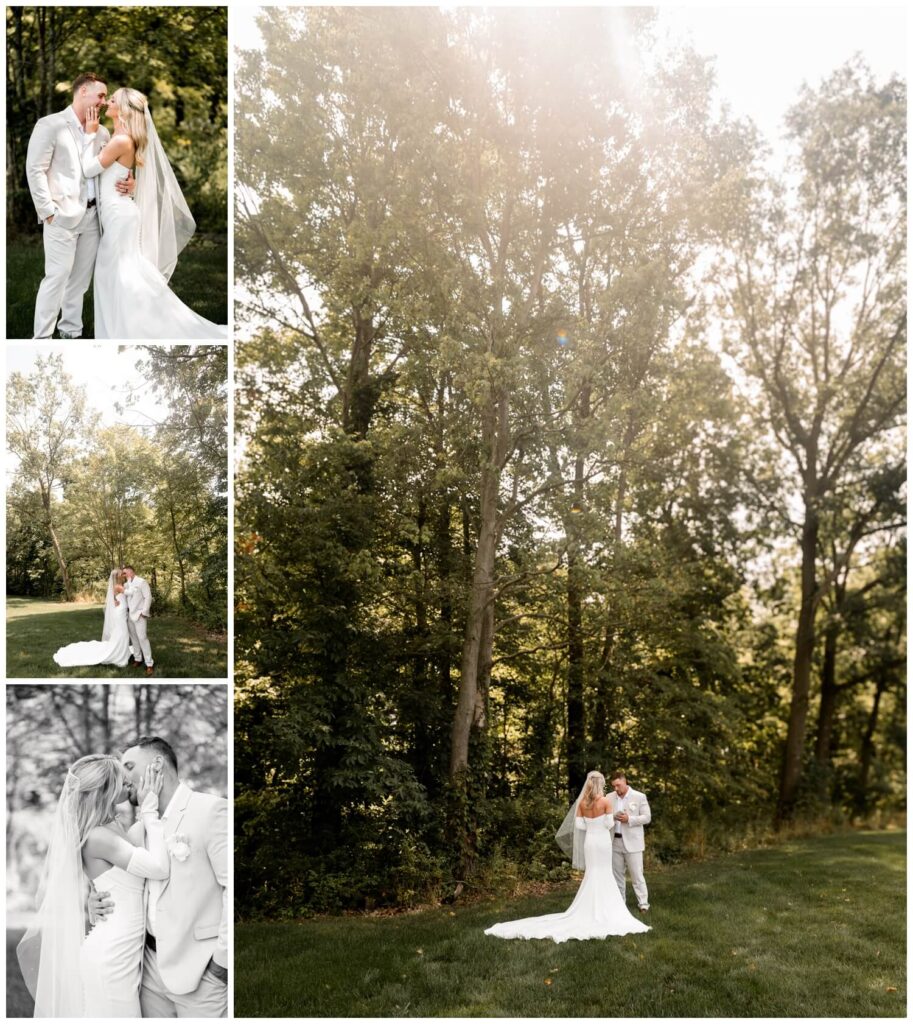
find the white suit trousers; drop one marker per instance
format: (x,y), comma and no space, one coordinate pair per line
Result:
(209,999)
(634,862)
(138,638)
(69,259)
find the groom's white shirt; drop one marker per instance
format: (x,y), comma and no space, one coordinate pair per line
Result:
(53,167)
(635,805)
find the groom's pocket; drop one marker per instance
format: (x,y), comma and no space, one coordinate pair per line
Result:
(206,931)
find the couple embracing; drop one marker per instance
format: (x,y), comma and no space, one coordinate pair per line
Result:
(132,922)
(124,636)
(604,835)
(98,216)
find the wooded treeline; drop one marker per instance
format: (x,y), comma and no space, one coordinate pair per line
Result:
(176,56)
(572,438)
(50,727)
(86,497)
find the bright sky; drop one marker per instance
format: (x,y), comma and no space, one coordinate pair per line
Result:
(108,373)
(763,53)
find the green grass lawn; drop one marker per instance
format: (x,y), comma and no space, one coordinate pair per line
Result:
(200,280)
(811,928)
(36,629)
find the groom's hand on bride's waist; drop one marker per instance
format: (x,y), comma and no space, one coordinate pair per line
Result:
(99,906)
(127,186)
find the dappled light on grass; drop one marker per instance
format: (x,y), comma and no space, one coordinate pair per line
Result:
(744,935)
(36,629)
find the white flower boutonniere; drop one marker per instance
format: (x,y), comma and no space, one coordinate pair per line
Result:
(178,845)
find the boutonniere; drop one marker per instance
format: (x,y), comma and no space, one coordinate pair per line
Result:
(178,845)
(632,807)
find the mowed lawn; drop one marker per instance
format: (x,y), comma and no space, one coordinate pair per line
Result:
(36,629)
(200,280)
(811,928)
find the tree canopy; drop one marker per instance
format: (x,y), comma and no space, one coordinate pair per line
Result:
(514,498)
(87,496)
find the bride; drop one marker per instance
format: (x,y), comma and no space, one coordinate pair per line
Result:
(140,240)
(114,646)
(598,909)
(70,973)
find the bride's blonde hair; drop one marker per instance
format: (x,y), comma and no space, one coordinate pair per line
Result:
(593,789)
(98,778)
(132,105)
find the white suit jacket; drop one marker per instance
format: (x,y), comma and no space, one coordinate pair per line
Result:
(191,912)
(53,167)
(139,597)
(632,831)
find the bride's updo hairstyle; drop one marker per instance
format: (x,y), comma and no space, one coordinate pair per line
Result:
(97,780)
(593,789)
(131,107)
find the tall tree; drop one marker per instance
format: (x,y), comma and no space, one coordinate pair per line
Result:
(817,296)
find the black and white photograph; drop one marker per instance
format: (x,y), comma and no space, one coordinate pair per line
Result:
(117,181)
(117,825)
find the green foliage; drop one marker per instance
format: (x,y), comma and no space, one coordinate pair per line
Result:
(476,312)
(176,56)
(87,498)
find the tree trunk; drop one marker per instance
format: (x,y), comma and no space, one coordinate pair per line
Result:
(867,753)
(791,773)
(55,541)
(576,704)
(827,708)
(494,429)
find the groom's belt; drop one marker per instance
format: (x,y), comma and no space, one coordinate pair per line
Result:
(90,204)
(150,941)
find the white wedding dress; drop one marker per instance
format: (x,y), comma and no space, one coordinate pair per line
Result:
(114,651)
(598,909)
(132,297)
(111,958)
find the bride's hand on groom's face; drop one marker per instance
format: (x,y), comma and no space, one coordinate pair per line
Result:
(92,120)
(151,782)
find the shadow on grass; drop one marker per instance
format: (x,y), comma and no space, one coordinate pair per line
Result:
(200,280)
(36,629)
(813,928)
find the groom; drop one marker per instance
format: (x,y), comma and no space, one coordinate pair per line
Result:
(185,966)
(67,205)
(631,813)
(139,603)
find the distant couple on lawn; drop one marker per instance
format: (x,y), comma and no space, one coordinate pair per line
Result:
(604,835)
(124,636)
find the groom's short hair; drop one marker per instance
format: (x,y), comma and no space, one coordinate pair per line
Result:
(130,567)
(163,747)
(85,79)
(618,775)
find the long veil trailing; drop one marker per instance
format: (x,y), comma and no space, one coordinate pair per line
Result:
(166,223)
(569,837)
(49,951)
(108,627)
